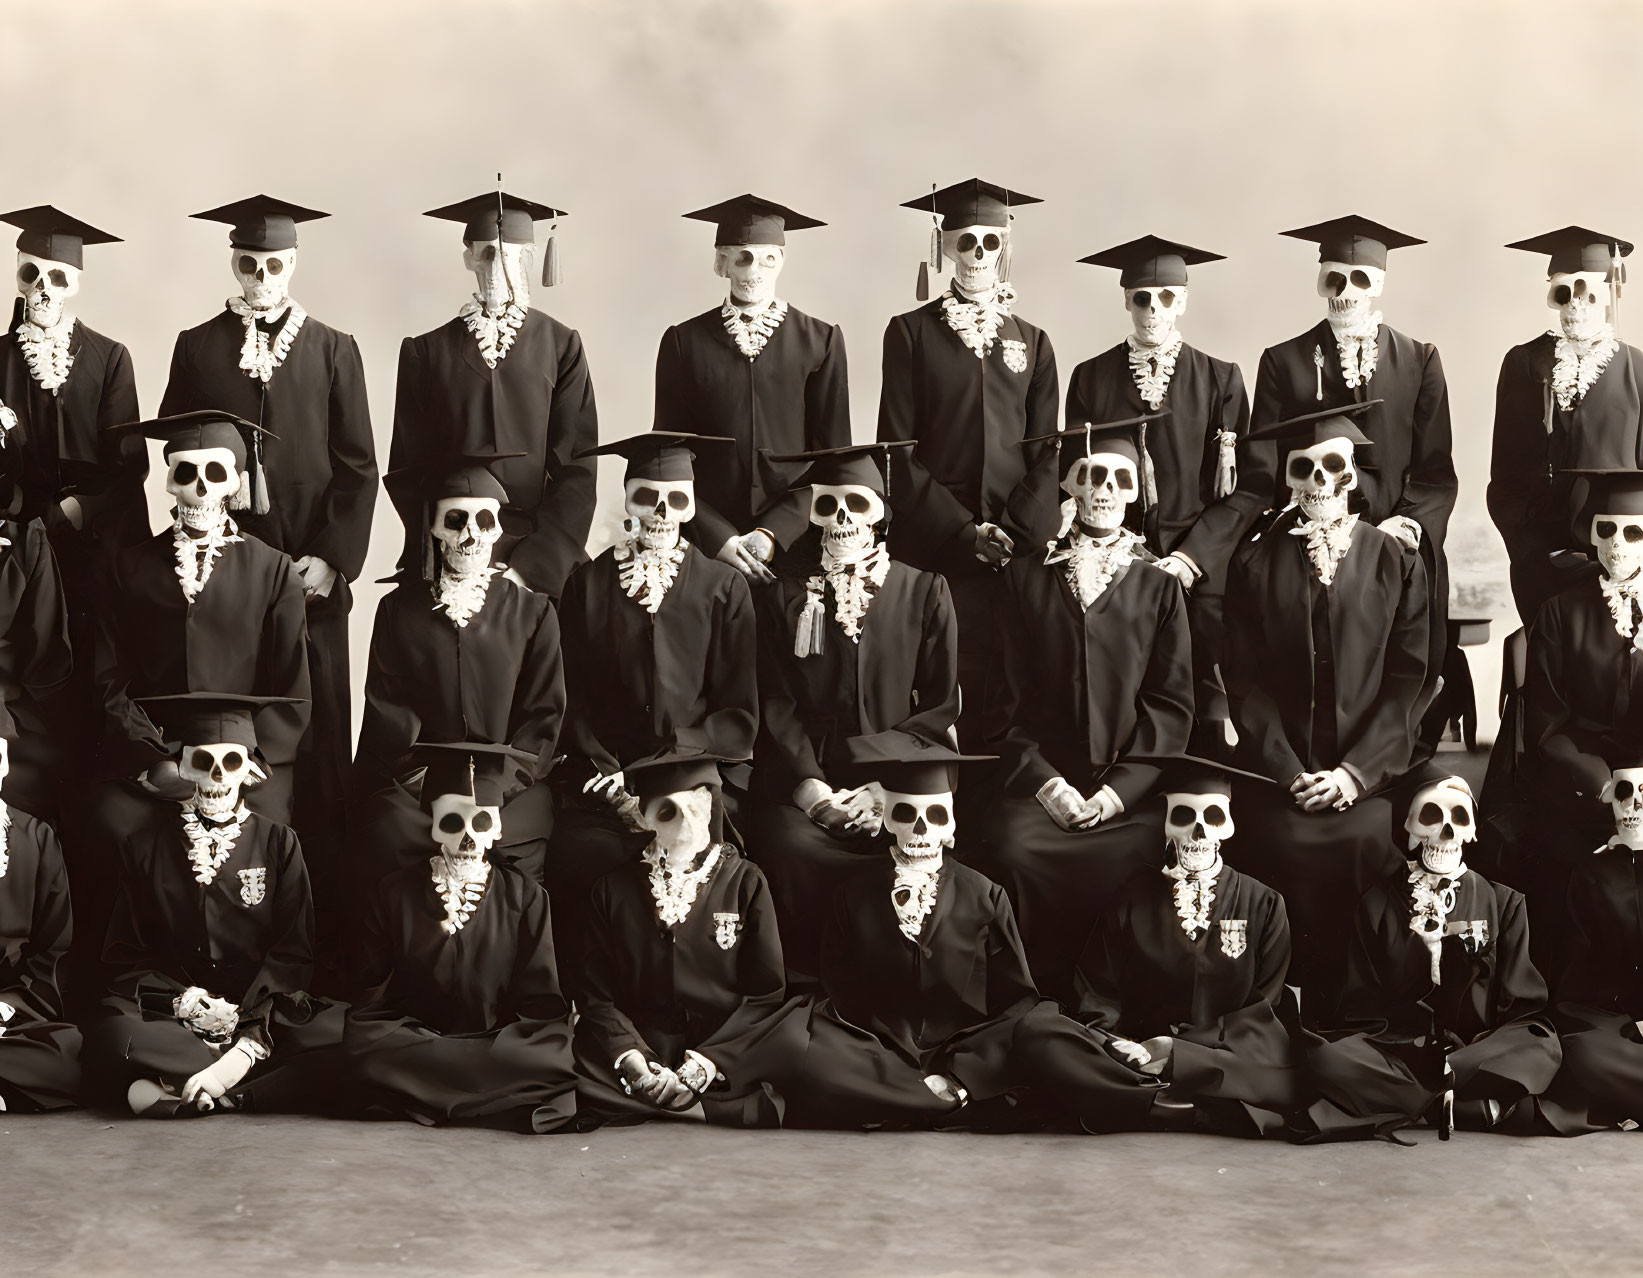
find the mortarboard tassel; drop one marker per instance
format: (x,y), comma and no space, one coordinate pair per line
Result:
(808,634)
(430,552)
(1546,398)
(1004,263)
(923,290)
(1619,274)
(936,259)
(550,260)
(933,263)
(260,504)
(1226,463)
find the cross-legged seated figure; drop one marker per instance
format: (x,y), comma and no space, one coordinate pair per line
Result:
(684,967)
(1094,664)
(39,1049)
(459,653)
(851,642)
(1325,666)
(1176,1022)
(923,978)
(460,1018)
(1442,1007)
(211,941)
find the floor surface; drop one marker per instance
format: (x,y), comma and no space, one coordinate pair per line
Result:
(82,1194)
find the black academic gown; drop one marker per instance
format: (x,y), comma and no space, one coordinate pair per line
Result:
(712,984)
(1488,1017)
(1074,691)
(900,674)
(247,936)
(498,680)
(537,401)
(321,469)
(463,1027)
(39,1049)
(1217,996)
(793,397)
(1318,678)
(968,416)
(35,664)
(894,1010)
(1532,505)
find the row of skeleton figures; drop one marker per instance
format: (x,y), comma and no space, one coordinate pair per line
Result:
(727,746)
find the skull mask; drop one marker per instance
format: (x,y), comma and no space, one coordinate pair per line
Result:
(681,822)
(1196,825)
(922,825)
(203,482)
(45,287)
(1350,291)
(1619,543)
(751,269)
(975,251)
(658,507)
(217,772)
(503,271)
(1103,485)
(264,277)
(1155,312)
(846,514)
(463,828)
(1442,821)
(1320,477)
(1581,300)
(1624,794)
(467,529)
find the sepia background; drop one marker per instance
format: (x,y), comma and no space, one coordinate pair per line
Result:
(1219,124)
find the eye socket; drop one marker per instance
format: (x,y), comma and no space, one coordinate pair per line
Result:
(28,272)
(1141,299)
(936,814)
(186,472)
(645,495)
(677,500)
(488,253)
(233,760)
(1561,294)
(1181,814)
(1098,475)
(456,520)
(1334,463)
(451,823)
(990,242)
(826,505)
(482,821)
(1360,280)
(1580,288)
(668,811)
(59,278)
(1335,282)
(275,266)
(1605,528)
(1623,790)
(1431,814)
(744,258)
(1125,480)
(1459,816)
(216,472)
(1300,468)
(857,503)
(903,813)
(1167,297)
(1215,814)
(201,760)
(485,520)
(1633,533)
(248,264)
(966,242)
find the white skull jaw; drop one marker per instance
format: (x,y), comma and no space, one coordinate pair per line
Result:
(503,273)
(1102,485)
(1619,543)
(658,508)
(466,530)
(1350,292)
(1320,477)
(1581,300)
(1196,825)
(217,772)
(1625,791)
(203,482)
(752,270)
(847,515)
(921,825)
(681,822)
(1442,821)
(1155,312)
(264,276)
(463,829)
(45,287)
(974,252)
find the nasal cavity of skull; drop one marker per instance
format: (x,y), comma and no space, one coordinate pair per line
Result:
(971,245)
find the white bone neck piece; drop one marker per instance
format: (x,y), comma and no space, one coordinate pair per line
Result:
(259,356)
(1431,900)
(854,580)
(976,320)
(46,351)
(494,333)
(1625,605)
(1194,892)
(1089,561)
(646,573)
(1357,341)
(751,328)
(674,886)
(198,545)
(462,595)
(913,891)
(210,839)
(1578,363)
(1153,367)
(1328,536)
(460,883)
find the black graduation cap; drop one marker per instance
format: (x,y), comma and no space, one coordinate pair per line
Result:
(1575,248)
(1313,428)
(448,475)
(261,223)
(210,718)
(1194,774)
(664,455)
(1354,240)
(673,771)
(213,428)
(55,236)
(972,203)
(479,770)
(907,764)
(1151,262)
(1613,492)
(497,215)
(1126,437)
(864,464)
(751,219)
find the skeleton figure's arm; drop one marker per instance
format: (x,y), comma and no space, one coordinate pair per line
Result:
(389,727)
(730,684)
(284,663)
(344,525)
(1548,718)
(1518,475)
(980,1057)
(1255,710)
(1209,543)
(609,1029)
(588,670)
(51,929)
(1164,706)
(1382,747)
(784,748)
(131,742)
(760,980)
(40,628)
(565,514)
(116,495)
(1429,489)
(1033,511)
(917,498)
(538,711)
(675,401)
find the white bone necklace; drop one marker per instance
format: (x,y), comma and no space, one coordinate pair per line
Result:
(1194,896)
(5,838)
(753,329)
(494,333)
(855,580)
(1359,349)
(913,893)
(1624,606)
(646,572)
(674,888)
(258,356)
(1431,899)
(1577,364)
(46,351)
(1090,563)
(977,320)
(1153,367)
(1328,538)
(462,596)
(210,843)
(197,556)
(460,883)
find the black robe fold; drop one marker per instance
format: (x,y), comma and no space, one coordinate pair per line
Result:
(39,1048)
(792,398)
(537,401)
(463,1027)
(1532,505)
(36,662)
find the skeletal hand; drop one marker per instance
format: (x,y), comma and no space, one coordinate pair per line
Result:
(205,1088)
(7,1011)
(944,1088)
(1130,1053)
(748,555)
(640,1077)
(1315,791)
(606,786)
(994,546)
(672,1094)
(1065,805)
(1158,1050)
(317,576)
(73,512)
(1406,530)
(1102,806)
(1177,567)
(866,803)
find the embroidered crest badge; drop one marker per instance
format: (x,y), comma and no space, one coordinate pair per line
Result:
(1473,933)
(726,928)
(1234,936)
(1015,354)
(253,885)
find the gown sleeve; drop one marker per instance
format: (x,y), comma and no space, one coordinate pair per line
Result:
(344,527)
(980,1057)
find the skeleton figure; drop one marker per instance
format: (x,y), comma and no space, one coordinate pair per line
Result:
(204,482)
(922,828)
(1155,312)
(1195,826)
(1618,540)
(46,286)
(657,509)
(1093,543)
(1320,476)
(1624,795)
(854,562)
(466,530)
(1441,822)
(465,830)
(679,858)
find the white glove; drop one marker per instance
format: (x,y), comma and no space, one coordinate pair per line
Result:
(7,1011)
(749,554)
(947,1089)
(639,1076)
(1181,568)
(1130,1052)
(831,809)
(1405,529)
(1158,1050)
(73,512)
(606,786)
(1315,791)
(207,1016)
(1104,805)
(994,546)
(1065,805)
(204,1089)
(317,576)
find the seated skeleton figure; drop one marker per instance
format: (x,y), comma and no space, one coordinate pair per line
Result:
(461,1019)
(1326,651)
(1171,1034)
(851,642)
(684,967)
(924,980)
(1443,1009)
(1094,664)
(39,1049)
(211,940)
(459,652)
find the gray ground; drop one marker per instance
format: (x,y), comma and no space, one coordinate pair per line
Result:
(83,1194)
